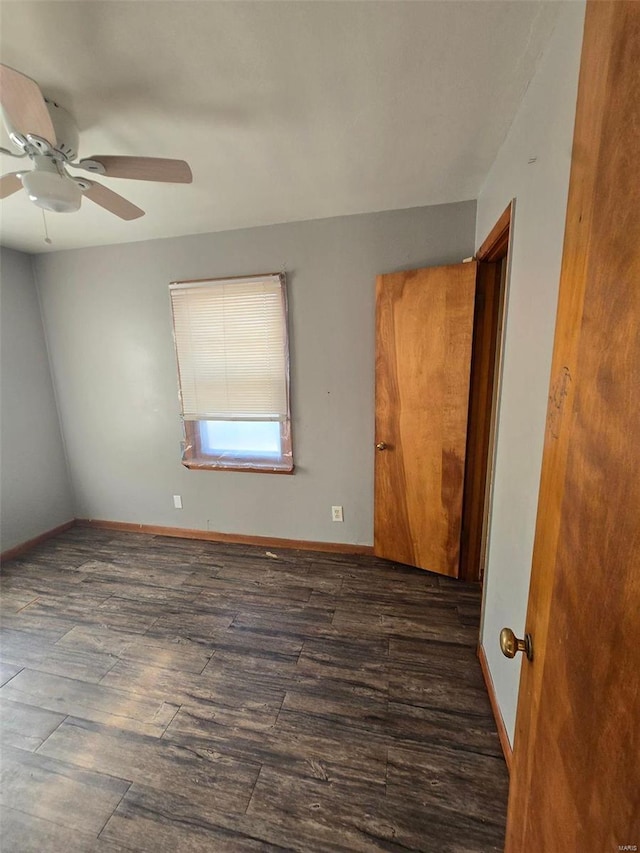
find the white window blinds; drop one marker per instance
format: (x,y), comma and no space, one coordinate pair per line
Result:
(232,348)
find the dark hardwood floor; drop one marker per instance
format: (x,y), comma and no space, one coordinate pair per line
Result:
(171,695)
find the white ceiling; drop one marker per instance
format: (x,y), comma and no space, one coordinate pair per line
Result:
(284,110)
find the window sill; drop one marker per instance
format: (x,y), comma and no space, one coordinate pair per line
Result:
(194,465)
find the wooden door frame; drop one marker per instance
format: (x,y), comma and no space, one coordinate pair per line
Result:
(486,373)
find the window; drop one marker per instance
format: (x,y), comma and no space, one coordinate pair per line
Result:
(233,372)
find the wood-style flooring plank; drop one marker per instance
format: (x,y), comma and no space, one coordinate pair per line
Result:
(365,819)
(58,791)
(308,755)
(7,671)
(25,833)
(152,820)
(199,772)
(90,701)
(26,726)
(23,649)
(447,779)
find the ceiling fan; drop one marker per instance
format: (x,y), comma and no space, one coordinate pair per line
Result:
(48,136)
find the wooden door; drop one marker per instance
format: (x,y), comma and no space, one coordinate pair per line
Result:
(424,329)
(576,763)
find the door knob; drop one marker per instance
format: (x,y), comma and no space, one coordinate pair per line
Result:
(510,645)
(381,445)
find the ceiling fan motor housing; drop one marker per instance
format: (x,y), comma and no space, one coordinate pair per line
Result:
(66,130)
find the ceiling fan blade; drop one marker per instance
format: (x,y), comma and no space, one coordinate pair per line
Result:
(142,168)
(113,202)
(9,184)
(24,105)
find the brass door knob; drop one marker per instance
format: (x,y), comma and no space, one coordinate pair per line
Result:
(381,445)
(510,645)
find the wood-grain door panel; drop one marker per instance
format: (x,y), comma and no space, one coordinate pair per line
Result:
(424,330)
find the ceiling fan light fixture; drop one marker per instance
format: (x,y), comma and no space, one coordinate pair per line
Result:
(52,191)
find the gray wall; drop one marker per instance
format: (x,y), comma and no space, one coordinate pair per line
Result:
(108,323)
(543,128)
(35,492)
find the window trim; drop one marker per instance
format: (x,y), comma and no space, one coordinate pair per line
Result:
(193,457)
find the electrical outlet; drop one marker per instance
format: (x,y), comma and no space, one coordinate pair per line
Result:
(177,501)
(336,513)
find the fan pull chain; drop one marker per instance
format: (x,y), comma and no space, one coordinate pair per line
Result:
(47,239)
